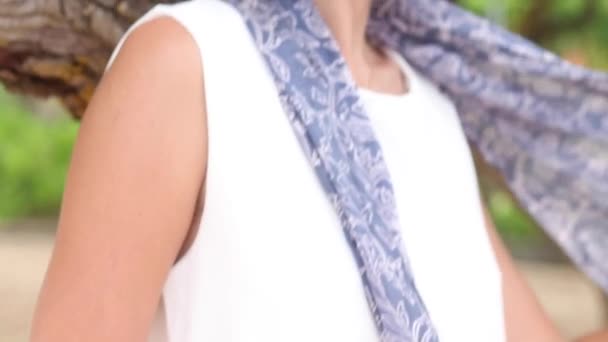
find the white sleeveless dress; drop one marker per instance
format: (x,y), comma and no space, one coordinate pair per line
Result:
(270,261)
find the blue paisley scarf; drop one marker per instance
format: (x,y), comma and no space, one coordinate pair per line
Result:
(541,121)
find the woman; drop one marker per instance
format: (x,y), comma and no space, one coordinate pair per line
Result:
(193,180)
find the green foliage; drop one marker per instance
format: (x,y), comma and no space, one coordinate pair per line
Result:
(34,154)
(563,26)
(510,220)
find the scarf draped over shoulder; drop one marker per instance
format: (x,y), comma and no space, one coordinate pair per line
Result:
(542,122)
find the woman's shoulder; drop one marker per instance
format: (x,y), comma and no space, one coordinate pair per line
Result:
(204,21)
(155,45)
(197,16)
(198,12)
(209,8)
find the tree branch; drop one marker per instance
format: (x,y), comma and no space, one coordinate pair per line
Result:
(60,47)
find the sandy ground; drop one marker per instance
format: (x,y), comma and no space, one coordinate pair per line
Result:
(572,302)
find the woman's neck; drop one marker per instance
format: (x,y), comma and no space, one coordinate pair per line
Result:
(347,20)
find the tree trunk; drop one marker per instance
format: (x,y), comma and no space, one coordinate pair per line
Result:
(60,47)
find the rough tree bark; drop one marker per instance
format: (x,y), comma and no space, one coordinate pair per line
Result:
(60,47)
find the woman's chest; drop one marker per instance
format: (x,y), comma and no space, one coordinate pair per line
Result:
(271,261)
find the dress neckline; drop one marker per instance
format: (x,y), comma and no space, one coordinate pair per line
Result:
(407,73)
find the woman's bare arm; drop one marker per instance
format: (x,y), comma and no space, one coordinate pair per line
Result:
(525,320)
(137,167)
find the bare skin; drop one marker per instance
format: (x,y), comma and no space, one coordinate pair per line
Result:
(137,168)
(135,175)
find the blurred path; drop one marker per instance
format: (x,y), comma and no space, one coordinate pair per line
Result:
(571,300)
(24,253)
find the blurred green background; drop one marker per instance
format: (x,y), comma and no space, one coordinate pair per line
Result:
(36,137)
(35,145)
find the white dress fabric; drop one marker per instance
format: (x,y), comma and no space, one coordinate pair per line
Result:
(270,261)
